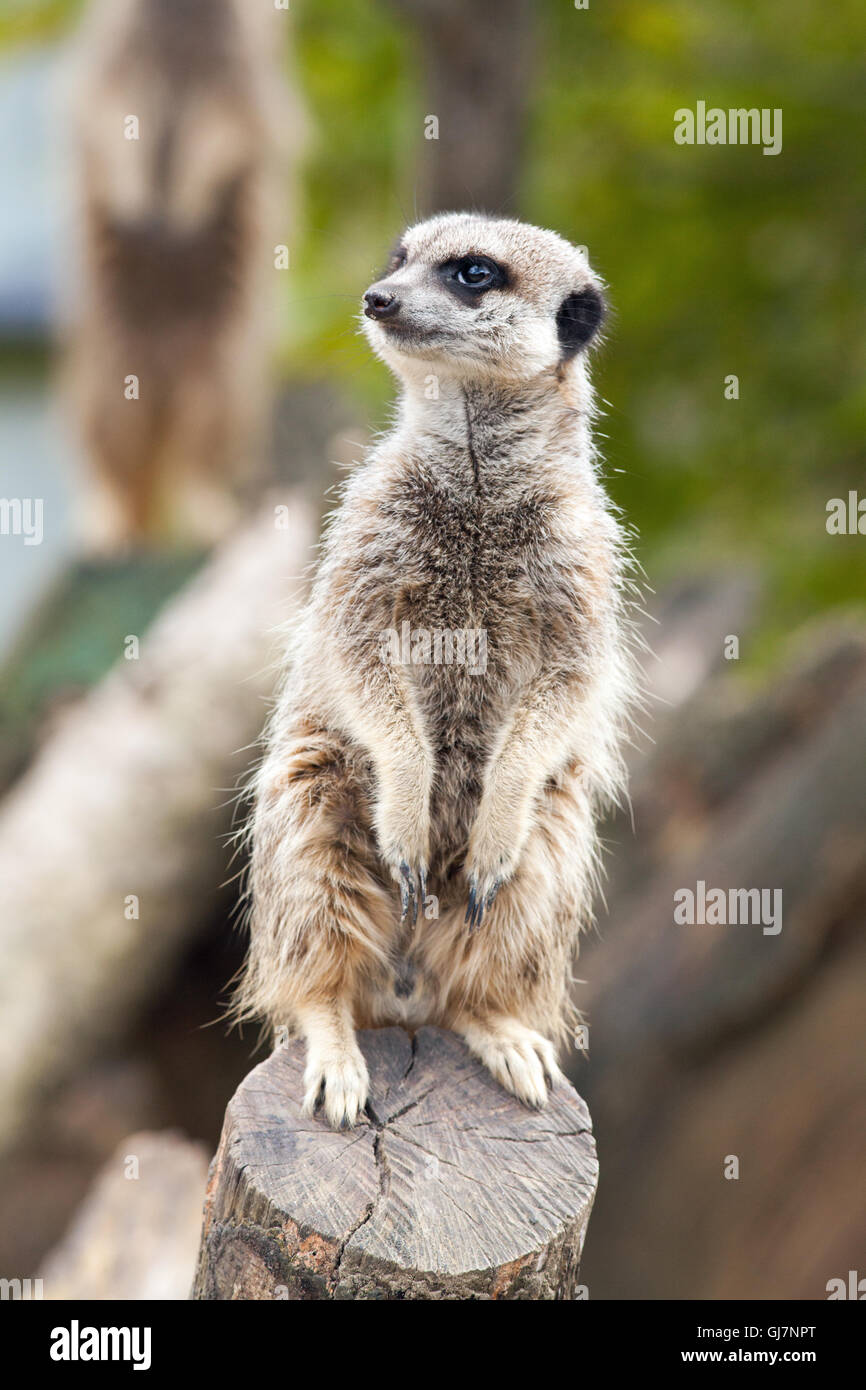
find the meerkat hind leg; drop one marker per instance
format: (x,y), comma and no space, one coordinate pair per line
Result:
(521,1060)
(336,1073)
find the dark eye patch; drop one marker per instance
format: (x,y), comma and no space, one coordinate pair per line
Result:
(396,260)
(468,277)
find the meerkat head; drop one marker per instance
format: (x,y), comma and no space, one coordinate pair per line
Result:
(482,298)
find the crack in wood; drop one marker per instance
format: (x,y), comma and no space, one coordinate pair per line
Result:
(416,1202)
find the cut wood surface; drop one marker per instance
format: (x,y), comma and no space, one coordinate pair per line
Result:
(112,844)
(448,1189)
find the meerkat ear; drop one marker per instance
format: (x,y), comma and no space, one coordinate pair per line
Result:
(579,319)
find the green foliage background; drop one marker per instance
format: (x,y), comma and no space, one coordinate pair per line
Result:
(719,259)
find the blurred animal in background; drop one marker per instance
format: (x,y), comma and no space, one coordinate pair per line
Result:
(185,133)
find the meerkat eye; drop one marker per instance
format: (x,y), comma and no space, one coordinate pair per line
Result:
(472,275)
(477,274)
(398,259)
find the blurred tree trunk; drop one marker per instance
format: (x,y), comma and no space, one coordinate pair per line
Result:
(478,62)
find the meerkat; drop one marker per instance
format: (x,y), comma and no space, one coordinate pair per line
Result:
(423,838)
(183,128)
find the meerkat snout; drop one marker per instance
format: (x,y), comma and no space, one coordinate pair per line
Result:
(380,304)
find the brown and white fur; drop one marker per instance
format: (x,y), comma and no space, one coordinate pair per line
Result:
(423,840)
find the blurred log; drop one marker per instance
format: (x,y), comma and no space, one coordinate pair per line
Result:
(761,797)
(477,63)
(787,1100)
(71,640)
(136,1234)
(45,1177)
(686,628)
(684,631)
(110,846)
(709,1041)
(448,1189)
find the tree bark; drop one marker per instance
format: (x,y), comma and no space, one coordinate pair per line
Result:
(447,1189)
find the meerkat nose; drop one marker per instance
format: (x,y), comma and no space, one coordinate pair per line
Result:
(380,304)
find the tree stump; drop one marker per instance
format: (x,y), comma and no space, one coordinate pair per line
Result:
(448,1189)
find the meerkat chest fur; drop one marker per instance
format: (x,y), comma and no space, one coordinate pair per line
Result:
(481,541)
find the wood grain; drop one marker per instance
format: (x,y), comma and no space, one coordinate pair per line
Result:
(447,1189)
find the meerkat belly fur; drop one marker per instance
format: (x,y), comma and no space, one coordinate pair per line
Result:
(423,839)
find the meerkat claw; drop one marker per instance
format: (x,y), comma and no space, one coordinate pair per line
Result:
(479,902)
(404,893)
(408,896)
(475,909)
(470,908)
(488,901)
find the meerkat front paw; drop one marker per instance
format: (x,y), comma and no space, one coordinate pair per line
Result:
(412,882)
(336,1077)
(517,1057)
(482,894)
(495,846)
(403,832)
